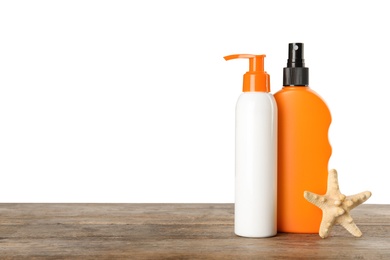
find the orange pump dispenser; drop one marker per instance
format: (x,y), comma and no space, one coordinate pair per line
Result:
(256,79)
(303,147)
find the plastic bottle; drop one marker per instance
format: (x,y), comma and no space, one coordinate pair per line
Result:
(256,154)
(303,146)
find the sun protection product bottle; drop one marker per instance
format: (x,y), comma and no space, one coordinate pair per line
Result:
(303,146)
(256,143)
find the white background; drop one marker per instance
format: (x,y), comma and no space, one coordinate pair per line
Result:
(132,101)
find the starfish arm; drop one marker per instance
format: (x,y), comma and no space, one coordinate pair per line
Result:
(333,183)
(327,223)
(348,223)
(314,199)
(355,200)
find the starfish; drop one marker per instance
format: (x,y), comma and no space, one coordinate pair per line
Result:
(336,206)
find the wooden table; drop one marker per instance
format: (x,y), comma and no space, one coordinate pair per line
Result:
(172,231)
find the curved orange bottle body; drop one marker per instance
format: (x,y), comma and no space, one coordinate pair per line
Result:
(303,155)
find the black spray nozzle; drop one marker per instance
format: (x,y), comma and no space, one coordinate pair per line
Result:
(295,74)
(295,55)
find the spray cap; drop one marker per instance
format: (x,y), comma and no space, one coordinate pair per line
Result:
(256,79)
(295,74)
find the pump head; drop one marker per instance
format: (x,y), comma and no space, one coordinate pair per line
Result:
(256,79)
(295,74)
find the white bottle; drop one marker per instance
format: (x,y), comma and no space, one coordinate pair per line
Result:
(256,154)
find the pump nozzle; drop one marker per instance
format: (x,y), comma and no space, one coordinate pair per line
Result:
(295,74)
(256,79)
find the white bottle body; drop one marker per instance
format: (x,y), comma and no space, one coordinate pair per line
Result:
(256,165)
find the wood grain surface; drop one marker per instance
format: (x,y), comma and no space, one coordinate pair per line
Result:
(173,231)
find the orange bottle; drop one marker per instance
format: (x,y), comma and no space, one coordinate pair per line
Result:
(303,147)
